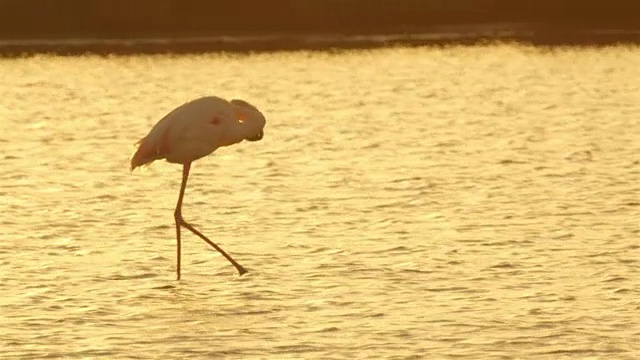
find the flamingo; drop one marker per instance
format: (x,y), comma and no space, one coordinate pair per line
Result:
(194,130)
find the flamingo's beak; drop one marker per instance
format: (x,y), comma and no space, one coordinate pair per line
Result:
(256,137)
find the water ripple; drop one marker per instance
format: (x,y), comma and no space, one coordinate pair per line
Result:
(474,202)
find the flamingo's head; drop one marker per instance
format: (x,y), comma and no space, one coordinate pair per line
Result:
(253,121)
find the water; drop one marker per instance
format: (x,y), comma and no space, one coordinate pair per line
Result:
(477,202)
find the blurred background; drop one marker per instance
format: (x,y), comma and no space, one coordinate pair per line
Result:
(449,179)
(197,25)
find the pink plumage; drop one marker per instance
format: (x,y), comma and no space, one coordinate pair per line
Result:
(194,130)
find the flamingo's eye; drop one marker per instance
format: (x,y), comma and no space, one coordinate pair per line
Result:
(240,117)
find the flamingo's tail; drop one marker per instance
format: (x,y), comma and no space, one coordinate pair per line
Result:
(146,154)
(154,146)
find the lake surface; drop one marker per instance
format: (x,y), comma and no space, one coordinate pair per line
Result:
(405,203)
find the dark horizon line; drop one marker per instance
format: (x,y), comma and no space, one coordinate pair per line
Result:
(470,35)
(153,18)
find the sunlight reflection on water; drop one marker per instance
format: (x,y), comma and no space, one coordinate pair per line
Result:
(427,202)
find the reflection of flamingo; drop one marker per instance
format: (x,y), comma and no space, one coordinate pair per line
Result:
(194,130)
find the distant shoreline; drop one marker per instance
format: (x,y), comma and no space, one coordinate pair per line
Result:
(442,36)
(195,26)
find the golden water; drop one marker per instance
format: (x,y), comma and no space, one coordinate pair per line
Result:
(476,202)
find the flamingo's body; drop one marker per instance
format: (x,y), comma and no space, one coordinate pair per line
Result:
(194,130)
